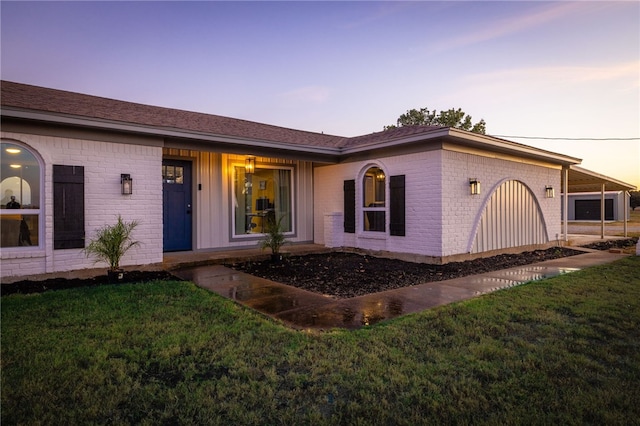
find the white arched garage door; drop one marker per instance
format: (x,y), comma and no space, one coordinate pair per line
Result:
(511,218)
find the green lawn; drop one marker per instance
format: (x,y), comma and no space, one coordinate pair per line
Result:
(560,351)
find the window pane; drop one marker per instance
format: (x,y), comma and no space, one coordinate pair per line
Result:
(19,230)
(374,221)
(19,190)
(261,195)
(373,188)
(19,178)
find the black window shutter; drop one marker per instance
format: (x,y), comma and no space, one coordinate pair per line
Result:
(68,207)
(350,206)
(397,206)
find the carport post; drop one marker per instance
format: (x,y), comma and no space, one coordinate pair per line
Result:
(565,203)
(626,198)
(602,212)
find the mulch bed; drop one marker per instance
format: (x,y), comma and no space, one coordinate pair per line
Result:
(29,286)
(345,275)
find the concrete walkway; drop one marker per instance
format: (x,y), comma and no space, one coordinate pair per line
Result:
(303,309)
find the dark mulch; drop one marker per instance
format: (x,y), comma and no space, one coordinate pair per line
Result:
(345,275)
(28,286)
(610,244)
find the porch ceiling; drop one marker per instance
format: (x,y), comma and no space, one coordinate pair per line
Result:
(583,180)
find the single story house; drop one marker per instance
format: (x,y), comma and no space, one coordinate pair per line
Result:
(72,163)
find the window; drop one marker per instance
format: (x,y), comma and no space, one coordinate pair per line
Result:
(20,190)
(373,200)
(173,174)
(263,195)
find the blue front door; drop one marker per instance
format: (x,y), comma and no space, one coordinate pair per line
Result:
(177,205)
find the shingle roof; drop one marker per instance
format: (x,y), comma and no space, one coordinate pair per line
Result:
(27,99)
(22,96)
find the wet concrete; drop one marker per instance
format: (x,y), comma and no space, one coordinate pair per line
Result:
(303,309)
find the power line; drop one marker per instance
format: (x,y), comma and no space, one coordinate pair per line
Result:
(567,139)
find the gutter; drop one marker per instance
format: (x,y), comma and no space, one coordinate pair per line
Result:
(167,132)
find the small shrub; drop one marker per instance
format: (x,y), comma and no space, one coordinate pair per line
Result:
(112,242)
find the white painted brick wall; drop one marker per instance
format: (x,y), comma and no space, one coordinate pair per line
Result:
(462,211)
(440,212)
(333,226)
(423,201)
(103,163)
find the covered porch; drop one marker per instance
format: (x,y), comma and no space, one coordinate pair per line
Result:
(579,180)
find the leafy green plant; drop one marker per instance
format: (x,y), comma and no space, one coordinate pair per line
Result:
(112,242)
(274,236)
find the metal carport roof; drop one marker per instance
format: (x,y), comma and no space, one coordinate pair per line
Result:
(583,180)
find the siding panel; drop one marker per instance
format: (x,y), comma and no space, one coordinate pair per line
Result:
(511,218)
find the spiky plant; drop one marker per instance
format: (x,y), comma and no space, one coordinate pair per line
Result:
(112,242)
(274,236)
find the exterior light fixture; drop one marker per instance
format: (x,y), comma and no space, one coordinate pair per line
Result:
(474,184)
(127,184)
(380,176)
(549,192)
(250,165)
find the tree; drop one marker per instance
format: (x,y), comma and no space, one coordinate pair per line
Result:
(450,118)
(634,200)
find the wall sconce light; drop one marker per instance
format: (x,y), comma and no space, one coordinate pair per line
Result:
(250,165)
(474,184)
(127,184)
(380,176)
(549,192)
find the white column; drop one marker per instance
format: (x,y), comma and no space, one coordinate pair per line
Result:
(602,212)
(626,198)
(565,203)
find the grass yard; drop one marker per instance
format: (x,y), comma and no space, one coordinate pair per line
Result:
(559,351)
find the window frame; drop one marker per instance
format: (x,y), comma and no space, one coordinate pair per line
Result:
(239,163)
(363,209)
(39,212)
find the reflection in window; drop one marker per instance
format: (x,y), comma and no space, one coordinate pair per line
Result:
(173,174)
(261,196)
(20,196)
(373,200)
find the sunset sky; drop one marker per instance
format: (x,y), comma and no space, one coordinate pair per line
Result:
(554,70)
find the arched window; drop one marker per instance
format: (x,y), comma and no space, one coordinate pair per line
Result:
(373,200)
(20,192)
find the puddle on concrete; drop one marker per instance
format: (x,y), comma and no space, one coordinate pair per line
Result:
(310,310)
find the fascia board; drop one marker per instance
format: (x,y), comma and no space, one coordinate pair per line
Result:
(513,148)
(164,132)
(586,177)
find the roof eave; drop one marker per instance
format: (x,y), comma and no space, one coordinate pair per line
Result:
(96,123)
(492,143)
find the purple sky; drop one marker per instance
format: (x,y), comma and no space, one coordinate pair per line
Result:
(551,69)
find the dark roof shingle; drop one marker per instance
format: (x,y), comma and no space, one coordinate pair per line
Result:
(23,96)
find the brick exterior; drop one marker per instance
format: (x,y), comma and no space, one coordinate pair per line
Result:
(441,215)
(462,211)
(103,163)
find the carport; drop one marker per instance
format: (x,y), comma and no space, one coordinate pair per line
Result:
(577,180)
